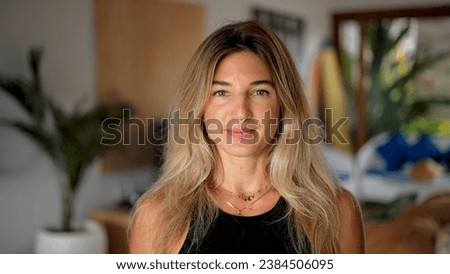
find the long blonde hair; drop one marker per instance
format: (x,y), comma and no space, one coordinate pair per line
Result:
(296,169)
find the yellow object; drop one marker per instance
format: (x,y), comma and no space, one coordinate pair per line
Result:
(334,99)
(315,89)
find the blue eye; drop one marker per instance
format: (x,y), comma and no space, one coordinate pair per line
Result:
(220,93)
(261,92)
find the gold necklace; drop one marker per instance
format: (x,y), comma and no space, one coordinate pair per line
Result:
(246,196)
(239,211)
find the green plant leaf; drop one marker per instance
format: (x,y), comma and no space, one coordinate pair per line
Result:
(25,94)
(36,134)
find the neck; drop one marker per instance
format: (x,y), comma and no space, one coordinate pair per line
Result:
(242,174)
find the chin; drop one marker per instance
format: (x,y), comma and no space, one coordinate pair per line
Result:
(244,150)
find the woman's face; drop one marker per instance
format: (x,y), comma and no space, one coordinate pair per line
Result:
(242,112)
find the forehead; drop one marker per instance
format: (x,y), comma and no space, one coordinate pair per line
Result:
(242,65)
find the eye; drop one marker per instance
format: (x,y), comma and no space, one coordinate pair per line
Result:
(261,92)
(219,93)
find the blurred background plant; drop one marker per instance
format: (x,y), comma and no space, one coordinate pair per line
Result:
(391,73)
(73,140)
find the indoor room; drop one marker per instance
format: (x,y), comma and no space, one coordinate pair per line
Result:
(86,87)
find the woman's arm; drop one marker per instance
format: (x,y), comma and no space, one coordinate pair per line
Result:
(351,230)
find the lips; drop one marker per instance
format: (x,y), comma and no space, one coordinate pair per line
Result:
(241,132)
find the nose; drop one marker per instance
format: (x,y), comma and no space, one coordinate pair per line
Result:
(241,108)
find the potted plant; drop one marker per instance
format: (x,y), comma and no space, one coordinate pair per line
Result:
(72,140)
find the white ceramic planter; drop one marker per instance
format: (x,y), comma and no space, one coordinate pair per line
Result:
(91,240)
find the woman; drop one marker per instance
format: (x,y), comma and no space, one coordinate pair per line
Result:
(237,176)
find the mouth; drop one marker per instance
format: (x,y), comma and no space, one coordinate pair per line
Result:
(241,132)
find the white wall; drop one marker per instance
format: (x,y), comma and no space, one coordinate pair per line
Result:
(28,192)
(64,29)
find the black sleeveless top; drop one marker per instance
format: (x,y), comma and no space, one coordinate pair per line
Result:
(262,234)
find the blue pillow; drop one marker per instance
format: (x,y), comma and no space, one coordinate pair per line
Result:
(394,152)
(423,149)
(444,159)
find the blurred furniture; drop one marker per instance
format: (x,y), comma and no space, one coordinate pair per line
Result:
(340,164)
(420,228)
(116,221)
(374,182)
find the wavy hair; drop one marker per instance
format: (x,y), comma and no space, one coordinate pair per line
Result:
(296,169)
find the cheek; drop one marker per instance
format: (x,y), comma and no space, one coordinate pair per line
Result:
(271,111)
(271,120)
(208,112)
(213,125)
(211,115)
(216,111)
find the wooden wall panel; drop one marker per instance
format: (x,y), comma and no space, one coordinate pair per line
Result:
(142,48)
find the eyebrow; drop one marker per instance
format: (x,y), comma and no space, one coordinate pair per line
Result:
(254,83)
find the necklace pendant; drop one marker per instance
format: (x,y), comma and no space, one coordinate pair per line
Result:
(248,197)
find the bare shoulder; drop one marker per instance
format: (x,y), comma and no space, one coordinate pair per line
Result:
(146,228)
(347,203)
(351,230)
(144,225)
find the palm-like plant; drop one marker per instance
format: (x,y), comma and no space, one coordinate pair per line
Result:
(72,140)
(391,102)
